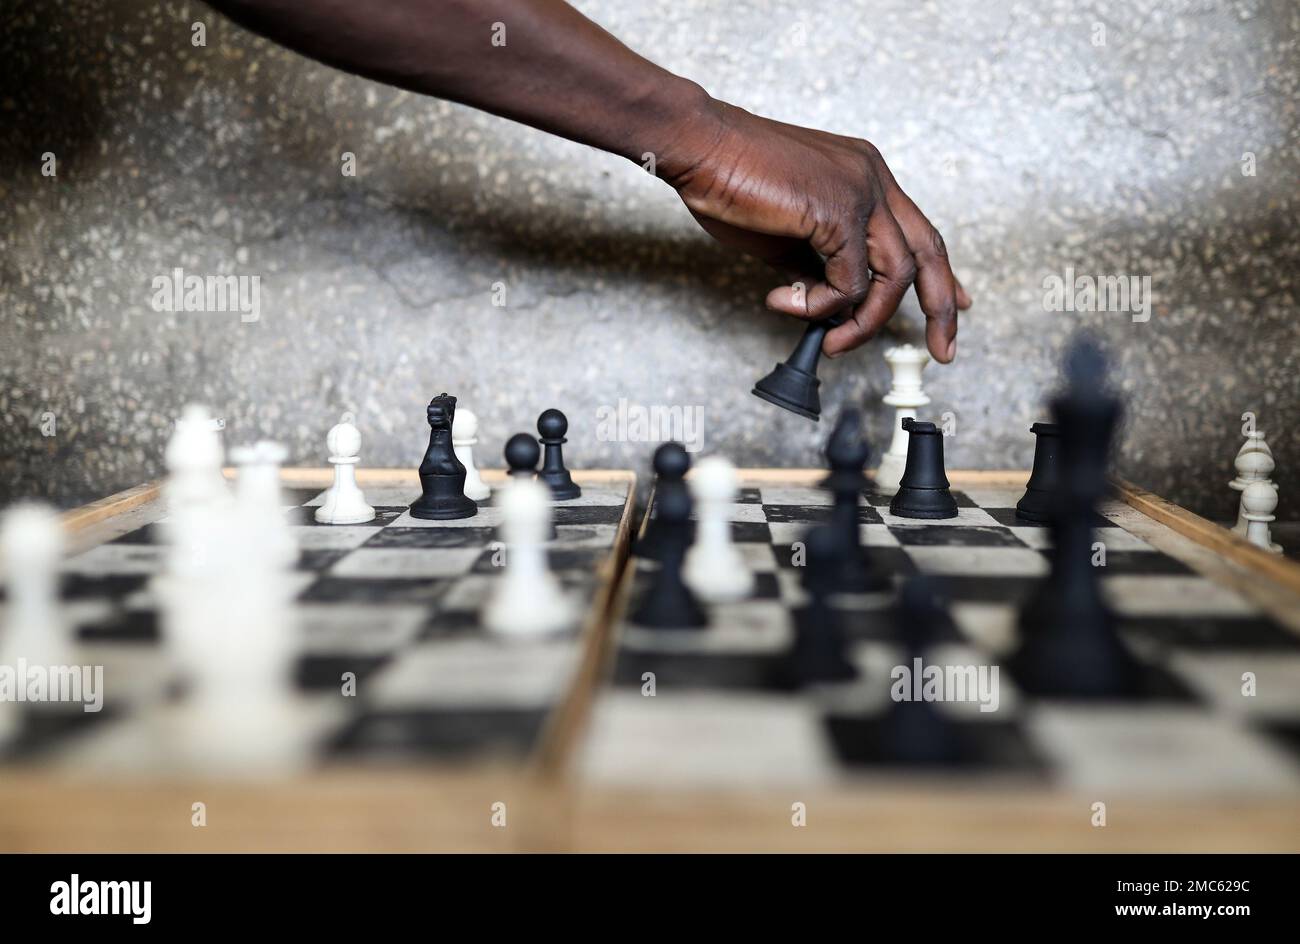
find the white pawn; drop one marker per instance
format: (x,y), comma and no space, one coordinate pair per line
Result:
(715,569)
(1259,499)
(905,395)
(259,503)
(344,501)
(464,437)
(528,600)
(31,541)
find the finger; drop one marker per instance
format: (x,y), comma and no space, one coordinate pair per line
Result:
(892,271)
(936,286)
(963,297)
(847,277)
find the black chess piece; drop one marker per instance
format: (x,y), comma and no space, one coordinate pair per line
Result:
(914,732)
(521,453)
(671,463)
(923,490)
(552,425)
(818,653)
(847,453)
(668,602)
(442,477)
(793,384)
(1070,645)
(1035,504)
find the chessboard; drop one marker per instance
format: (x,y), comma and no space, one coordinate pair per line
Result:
(699,742)
(441,721)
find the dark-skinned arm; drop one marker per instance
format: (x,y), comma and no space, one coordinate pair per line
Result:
(822,209)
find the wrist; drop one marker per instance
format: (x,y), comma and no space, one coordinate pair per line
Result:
(681,123)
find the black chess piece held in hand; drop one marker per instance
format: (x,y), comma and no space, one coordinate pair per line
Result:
(793,384)
(551,426)
(442,476)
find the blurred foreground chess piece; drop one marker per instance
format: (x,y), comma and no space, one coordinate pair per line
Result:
(715,569)
(527,601)
(671,463)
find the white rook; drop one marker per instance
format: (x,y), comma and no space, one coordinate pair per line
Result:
(905,395)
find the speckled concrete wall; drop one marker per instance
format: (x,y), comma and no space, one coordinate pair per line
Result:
(1149,138)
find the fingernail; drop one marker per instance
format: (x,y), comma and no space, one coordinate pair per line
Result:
(952,349)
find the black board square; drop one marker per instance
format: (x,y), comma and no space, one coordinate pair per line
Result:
(587,514)
(994,746)
(1139,563)
(749,496)
(700,670)
(148,534)
(462,732)
(324,672)
(430,537)
(934,535)
(1209,633)
(368,590)
(751,532)
(797,514)
(129,626)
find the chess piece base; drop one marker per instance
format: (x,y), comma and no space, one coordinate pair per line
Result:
(791,389)
(930,503)
(561,485)
(443,499)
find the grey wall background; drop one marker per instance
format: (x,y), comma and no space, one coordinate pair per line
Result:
(1031,148)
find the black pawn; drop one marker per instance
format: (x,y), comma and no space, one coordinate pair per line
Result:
(668,603)
(671,463)
(793,384)
(521,454)
(923,490)
(551,426)
(914,730)
(442,476)
(818,654)
(1070,644)
(847,453)
(1036,504)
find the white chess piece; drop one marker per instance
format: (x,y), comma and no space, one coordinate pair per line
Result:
(715,569)
(193,459)
(34,635)
(1253,463)
(464,437)
(344,501)
(237,715)
(528,600)
(259,502)
(1259,499)
(905,395)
